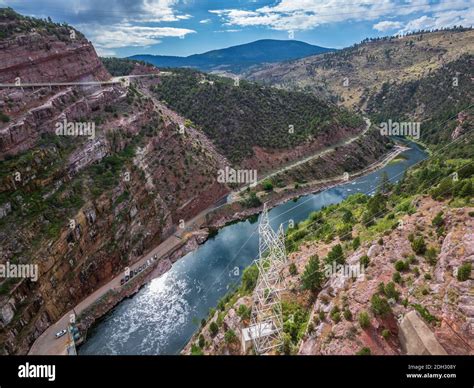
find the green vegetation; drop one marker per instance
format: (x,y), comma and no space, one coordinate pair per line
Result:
(14,23)
(397,277)
(295,319)
(201,341)
(379,305)
(364,261)
(398,102)
(364,352)
(239,118)
(401,265)
(464,272)
(292,269)
(312,277)
(251,201)
(418,245)
(244,312)
(196,350)
(213,328)
(356,243)
(335,255)
(230,336)
(4,118)
(249,278)
(267,185)
(364,320)
(425,314)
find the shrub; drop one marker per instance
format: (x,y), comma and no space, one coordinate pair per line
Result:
(427,276)
(418,245)
(202,341)
(364,261)
(401,266)
(464,272)
(364,320)
(438,220)
(336,317)
(347,315)
(196,350)
(379,305)
(385,333)
(364,352)
(431,255)
(391,292)
(244,312)
(230,336)
(423,311)
(396,277)
(356,243)
(249,278)
(213,328)
(267,186)
(293,270)
(4,118)
(252,201)
(287,345)
(322,315)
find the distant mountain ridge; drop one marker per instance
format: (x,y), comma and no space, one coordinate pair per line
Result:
(239,58)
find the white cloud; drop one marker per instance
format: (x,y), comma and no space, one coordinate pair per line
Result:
(205,21)
(158,11)
(308,14)
(126,35)
(440,19)
(387,25)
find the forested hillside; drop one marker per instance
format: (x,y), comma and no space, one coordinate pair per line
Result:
(435,100)
(240,116)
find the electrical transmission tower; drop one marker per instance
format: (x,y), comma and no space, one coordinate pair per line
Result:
(266,319)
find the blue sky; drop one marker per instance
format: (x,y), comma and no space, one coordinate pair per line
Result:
(184,27)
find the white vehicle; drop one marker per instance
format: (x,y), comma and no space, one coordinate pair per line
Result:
(60,333)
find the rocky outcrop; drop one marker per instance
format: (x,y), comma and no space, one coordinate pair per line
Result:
(446,302)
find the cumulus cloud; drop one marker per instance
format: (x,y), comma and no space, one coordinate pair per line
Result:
(441,19)
(127,35)
(387,25)
(308,14)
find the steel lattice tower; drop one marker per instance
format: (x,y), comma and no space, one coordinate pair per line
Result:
(266,319)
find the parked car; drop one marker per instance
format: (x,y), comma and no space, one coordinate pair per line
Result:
(60,333)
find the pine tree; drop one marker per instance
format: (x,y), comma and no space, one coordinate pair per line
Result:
(312,277)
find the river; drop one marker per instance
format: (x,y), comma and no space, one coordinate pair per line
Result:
(164,314)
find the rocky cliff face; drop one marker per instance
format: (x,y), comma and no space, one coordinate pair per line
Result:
(82,208)
(447,302)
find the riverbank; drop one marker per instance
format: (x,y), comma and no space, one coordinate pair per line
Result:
(275,198)
(98,304)
(232,217)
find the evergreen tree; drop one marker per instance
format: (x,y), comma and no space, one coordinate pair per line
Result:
(312,277)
